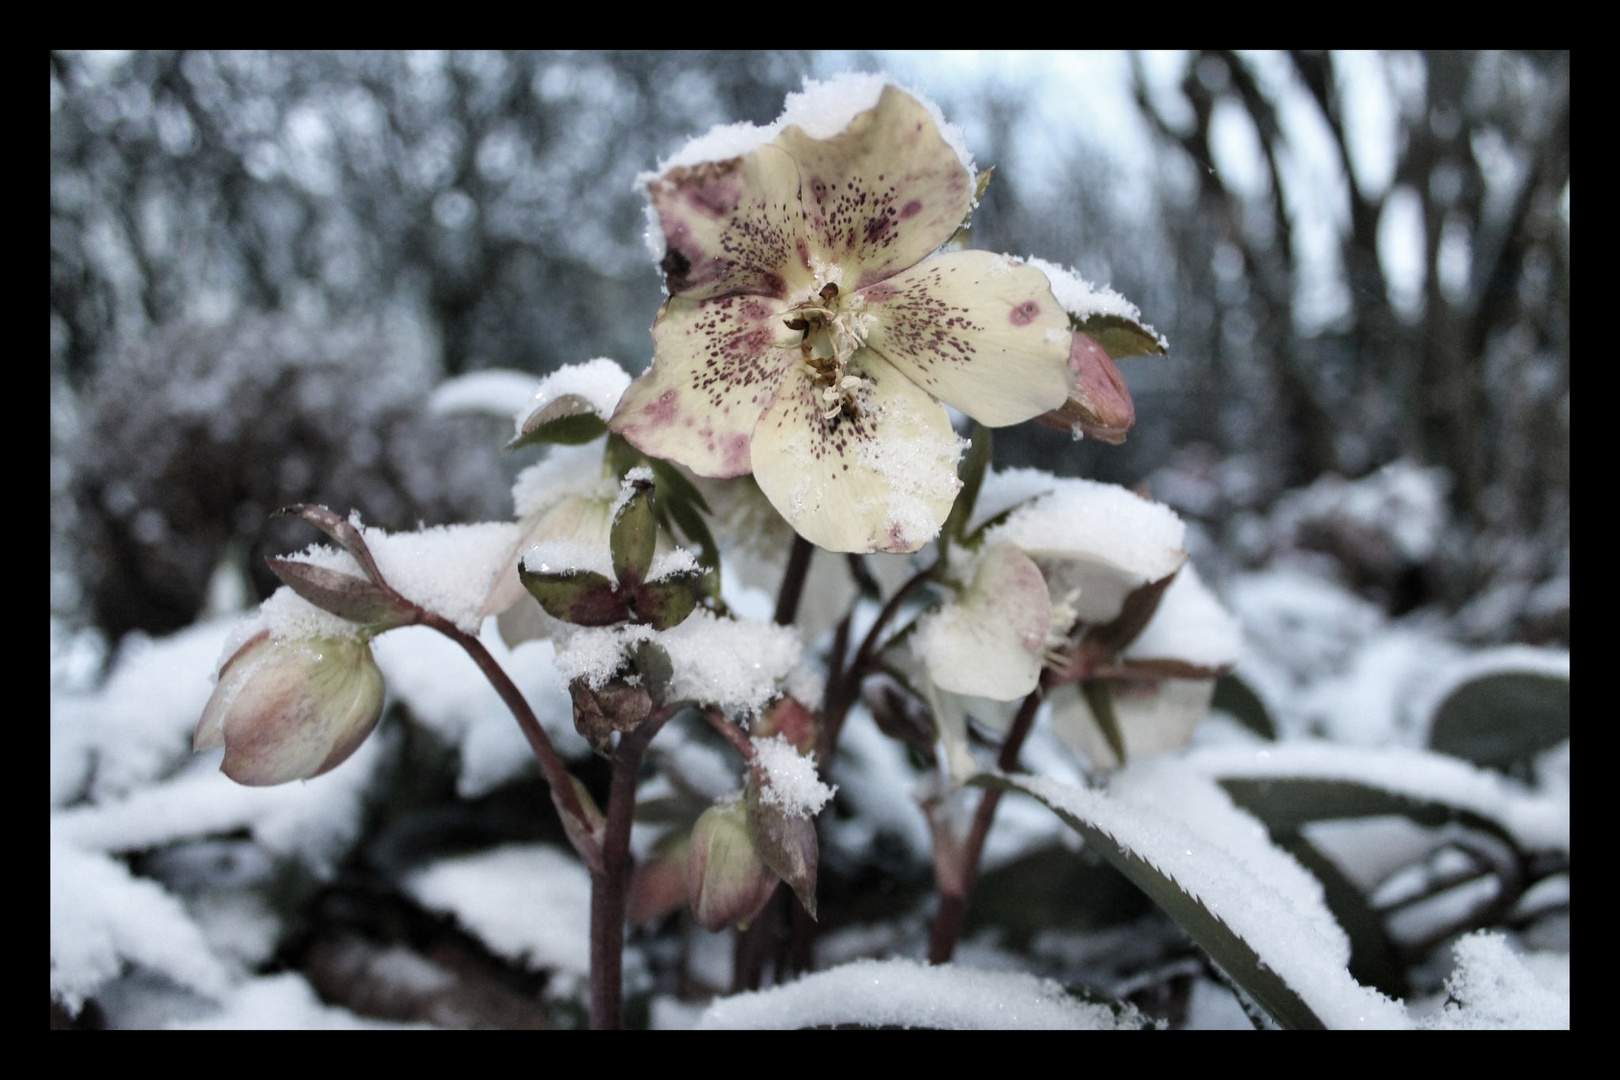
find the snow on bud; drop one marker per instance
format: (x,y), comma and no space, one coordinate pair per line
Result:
(291,709)
(784,794)
(725,877)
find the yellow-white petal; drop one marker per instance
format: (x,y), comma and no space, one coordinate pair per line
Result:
(715,370)
(882,194)
(878,476)
(981,332)
(990,643)
(732,226)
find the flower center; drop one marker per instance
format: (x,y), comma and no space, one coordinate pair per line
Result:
(832,332)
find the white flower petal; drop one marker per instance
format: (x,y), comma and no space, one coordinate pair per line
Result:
(716,368)
(981,332)
(990,643)
(878,476)
(883,193)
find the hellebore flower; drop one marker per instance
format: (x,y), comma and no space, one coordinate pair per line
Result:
(291,708)
(1083,589)
(812,333)
(1071,552)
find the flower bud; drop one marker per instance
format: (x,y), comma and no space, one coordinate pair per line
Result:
(291,709)
(1099,404)
(725,877)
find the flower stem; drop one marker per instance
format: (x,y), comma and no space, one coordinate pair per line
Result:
(551,763)
(798,567)
(953,888)
(609,884)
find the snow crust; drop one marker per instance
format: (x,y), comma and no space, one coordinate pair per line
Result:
(599,383)
(794,783)
(565,470)
(1081,299)
(1098,522)
(735,664)
(498,895)
(1494,989)
(447,569)
(1539,821)
(491,392)
(906,994)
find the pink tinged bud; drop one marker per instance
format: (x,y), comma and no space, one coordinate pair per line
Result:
(726,880)
(658,884)
(291,709)
(789,718)
(1099,404)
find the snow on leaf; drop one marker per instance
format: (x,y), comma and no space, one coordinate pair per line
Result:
(1257,913)
(906,994)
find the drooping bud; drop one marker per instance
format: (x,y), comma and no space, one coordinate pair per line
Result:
(291,709)
(658,883)
(1099,404)
(726,880)
(634,536)
(784,794)
(789,718)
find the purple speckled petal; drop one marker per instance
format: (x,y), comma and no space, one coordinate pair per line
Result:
(716,366)
(882,194)
(732,226)
(879,476)
(980,332)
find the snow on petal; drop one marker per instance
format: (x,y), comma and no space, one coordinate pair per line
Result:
(990,643)
(877,475)
(883,193)
(717,367)
(1099,541)
(981,332)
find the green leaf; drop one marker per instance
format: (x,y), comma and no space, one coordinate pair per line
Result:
(1238,699)
(563,431)
(569,420)
(974,465)
(1502,719)
(344,595)
(1373,960)
(1120,337)
(634,537)
(1235,956)
(1099,695)
(667,603)
(581,597)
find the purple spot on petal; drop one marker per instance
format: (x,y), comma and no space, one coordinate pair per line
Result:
(911,208)
(662,411)
(1025,313)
